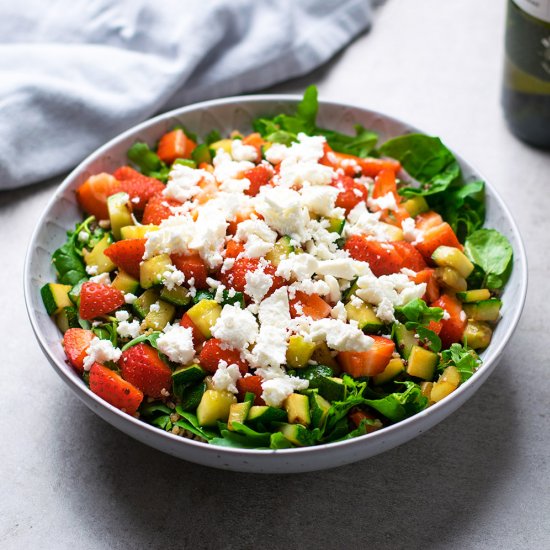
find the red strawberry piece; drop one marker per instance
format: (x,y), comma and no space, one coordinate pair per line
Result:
(97,299)
(350,193)
(310,305)
(258,176)
(142,367)
(198,336)
(215,351)
(236,276)
(251,384)
(115,390)
(382,257)
(140,188)
(76,342)
(192,266)
(127,255)
(158,209)
(452,328)
(410,257)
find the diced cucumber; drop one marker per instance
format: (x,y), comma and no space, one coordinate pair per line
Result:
(347,294)
(262,414)
(238,413)
(451,278)
(320,378)
(322,356)
(145,301)
(422,363)
(125,283)
(158,319)
(55,297)
(120,212)
(185,376)
(299,351)
(365,317)
(67,318)
(190,396)
(297,409)
(394,368)
(473,295)
(477,335)
(204,315)
(97,258)
(449,256)
(151,271)
(201,153)
(282,247)
(336,225)
(405,339)
(296,434)
(486,310)
(74,293)
(319,408)
(179,295)
(137,231)
(416,205)
(214,407)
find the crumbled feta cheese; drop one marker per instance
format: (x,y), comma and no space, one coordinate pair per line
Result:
(83,236)
(299,266)
(225,377)
(130,298)
(155,307)
(339,335)
(258,237)
(172,277)
(257,284)
(240,151)
(100,351)
(276,390)
(91,269)
(446,315)
(103,279)
(309,286)
(209,234)
(361,221)
(183,182)
(176,342)
(226,169)
(334,294)
(172,237)
(386,202)
(410,233)
(319,199)
(339,312)
(127,329)
(235,326)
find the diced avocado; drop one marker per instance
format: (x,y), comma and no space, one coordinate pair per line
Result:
(393,369)
(296,434)
(416,205)
(204,315)
(486,310)
(365,317)
(214,407)
(158,319)
(336,225)
(137,231)
(224,144)
(188,375)
(319,408)
(265,415)
(297,408)
(238,413)
(97,258)
(471,296)
(451,278)
(120,212)
(283,247)
(145,301)
(201,153)
(405,339)
(322,356)
(422,363)
(449,256)
(179,296)
(151,271)
(190,396)
(125,283)
(477,335)
(55,297)
(67,318)
(299,351)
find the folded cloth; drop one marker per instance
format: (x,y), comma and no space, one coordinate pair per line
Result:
(75,73)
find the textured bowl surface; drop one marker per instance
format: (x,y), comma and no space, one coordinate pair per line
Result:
(225,115)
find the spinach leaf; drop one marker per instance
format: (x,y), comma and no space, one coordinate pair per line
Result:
(361,144)
(465,360)
(233,439)
(279,441)
(398,406)
(418,312)
(212,137)
(189,422)
(150,338)
(148,161)
(107,331)
(491,251)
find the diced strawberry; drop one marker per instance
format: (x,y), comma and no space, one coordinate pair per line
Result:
(382,257)
(92,194)
(233,248)
(452,329)
(410,257)
(198,336)
(76,342)
(440,235)
(258,176)
(192,266)
(140,188)
(385,183)
(370,362)
(311,305)
(371,167)
(427,220)
(175,145)
(127,255)
(252,384)
(357,416)
(97,299)
(158,208)
(350,193)
(142,366)
(113,389)
(432,286)
(214,351)
(435,326)
(236,276)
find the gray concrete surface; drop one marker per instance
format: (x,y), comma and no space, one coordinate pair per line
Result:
(478,480)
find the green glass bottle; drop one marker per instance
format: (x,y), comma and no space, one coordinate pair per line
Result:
(526,87)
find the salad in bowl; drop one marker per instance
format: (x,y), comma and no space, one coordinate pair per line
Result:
(288,287)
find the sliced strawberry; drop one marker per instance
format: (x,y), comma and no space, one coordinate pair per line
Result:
(113,389)
(258,176)
(350,193)
(311,305)
(233,249)
(127,255)
(440,235)
(142,366)
(214,351)
(370,362)
(158,208)
(192,266)
(97,299)
(92,194)
(382,257)
(198,336)
(410,257)
(76,342)
(452,329)
(427,220)
(252,384)
(432,286)
(140,188)
(236,276)
(175,145)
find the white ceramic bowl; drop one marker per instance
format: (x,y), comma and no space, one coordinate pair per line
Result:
(225,115)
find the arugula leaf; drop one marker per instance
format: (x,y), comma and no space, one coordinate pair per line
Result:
(398,406)
(464,359)
(491,251)
(148,161)
(150,338)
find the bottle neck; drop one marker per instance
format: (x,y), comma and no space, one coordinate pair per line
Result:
(536,8)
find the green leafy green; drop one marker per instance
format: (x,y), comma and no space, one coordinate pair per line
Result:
(416,316)
(492,253)
(189,422)
(464,359)
(150,338)
(279,441)
(361,144)
(212,137)
(107,331)
(147,161)
(398,406)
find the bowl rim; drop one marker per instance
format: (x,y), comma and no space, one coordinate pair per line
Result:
(83,392)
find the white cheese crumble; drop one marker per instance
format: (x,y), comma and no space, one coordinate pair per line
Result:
(209,234)
(124,328)
(410,233)
(339,312)
(257,284)
(176,342)
(100,351)
(276,390)
(236,327)
(130,298)
(155,308)
(386,202)
(240,151)
(91,269)
(339,335)
(172,277)
(83,236)
(103,279)
(225,377)
(258,237)
(299,266)
(183,182)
